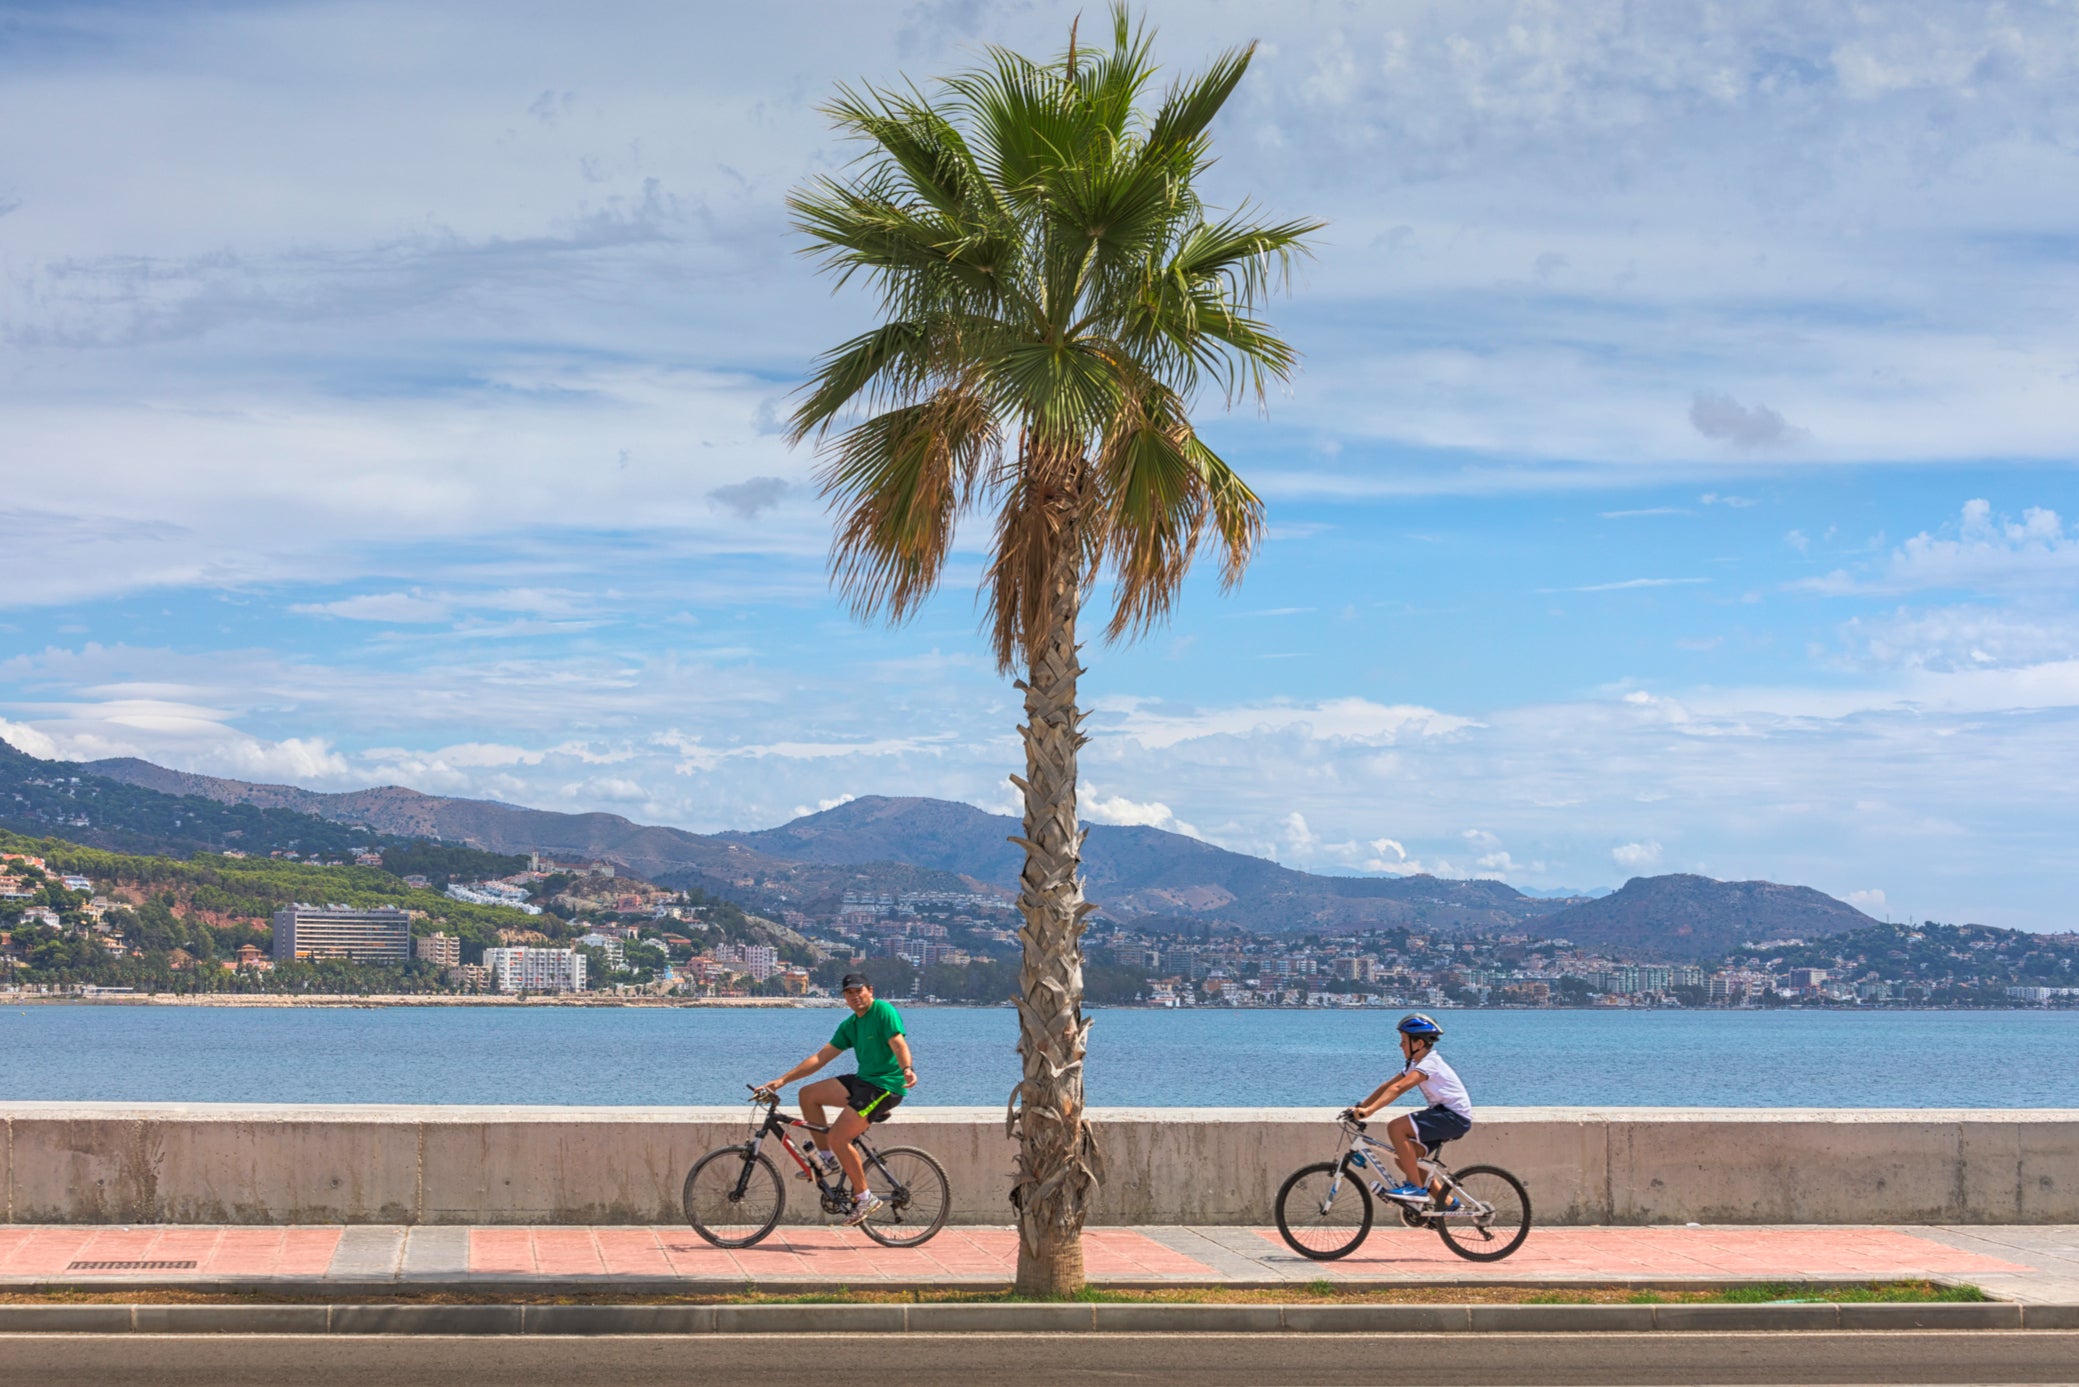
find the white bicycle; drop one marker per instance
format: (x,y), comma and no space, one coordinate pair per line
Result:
(1325,1209)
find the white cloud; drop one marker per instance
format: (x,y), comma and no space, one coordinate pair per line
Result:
(1627,584)
(1960,638)
(1117,809)
(1347,719)
(1989,552)
(23,737)
(384,606)
(1870,902)
(1299,840)
(1980,552)
(1636,857)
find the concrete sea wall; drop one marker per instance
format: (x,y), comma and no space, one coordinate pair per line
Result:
(267,1164)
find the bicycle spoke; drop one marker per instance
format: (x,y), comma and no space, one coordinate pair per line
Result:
(915,1196)
(1494,1218)
(733,1202)
(1323,1212)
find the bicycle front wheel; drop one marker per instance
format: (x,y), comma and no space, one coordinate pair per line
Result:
(1323,1211)
(1492,1235)
(915,1197)
(733,1199)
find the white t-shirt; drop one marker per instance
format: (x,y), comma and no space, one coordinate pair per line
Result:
(1440,1084)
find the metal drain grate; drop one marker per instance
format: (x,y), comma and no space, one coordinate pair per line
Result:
(131,1266)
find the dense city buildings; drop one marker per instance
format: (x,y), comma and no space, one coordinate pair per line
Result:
(381,935)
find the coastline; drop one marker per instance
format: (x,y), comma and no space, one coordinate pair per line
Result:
(345,1001)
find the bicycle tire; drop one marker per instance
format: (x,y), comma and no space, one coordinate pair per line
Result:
(705,1202)
(1311,1221)
(930,1198)
(1503,1187)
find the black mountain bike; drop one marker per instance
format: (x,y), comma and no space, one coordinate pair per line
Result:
(1325,1209)
(735,1195)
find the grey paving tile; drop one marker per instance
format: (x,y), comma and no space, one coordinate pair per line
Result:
(436,1251)
(1228,1263)
(367,1252)
(2037,1245)
(1274,1261)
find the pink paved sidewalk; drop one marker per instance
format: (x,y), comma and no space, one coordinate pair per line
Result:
(963,1255)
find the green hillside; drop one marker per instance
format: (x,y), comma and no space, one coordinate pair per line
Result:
(209,905)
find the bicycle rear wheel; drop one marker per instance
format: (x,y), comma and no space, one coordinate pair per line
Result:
(1493,1236)
(1323,1211)
(915,1197)
(733,1200)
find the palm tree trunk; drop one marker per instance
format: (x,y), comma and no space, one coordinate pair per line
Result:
(1056,1151)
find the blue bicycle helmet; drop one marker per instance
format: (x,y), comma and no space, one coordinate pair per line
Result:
(1420,1027)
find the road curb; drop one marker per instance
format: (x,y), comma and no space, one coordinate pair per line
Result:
(955,1318)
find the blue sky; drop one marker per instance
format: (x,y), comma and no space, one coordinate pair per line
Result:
(1678,477)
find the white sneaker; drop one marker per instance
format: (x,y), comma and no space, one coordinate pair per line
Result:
(862,1208)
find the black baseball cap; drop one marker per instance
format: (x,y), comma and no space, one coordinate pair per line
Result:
(855,980)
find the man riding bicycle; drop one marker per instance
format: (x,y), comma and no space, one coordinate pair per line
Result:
(1448,1117)
(886,1075)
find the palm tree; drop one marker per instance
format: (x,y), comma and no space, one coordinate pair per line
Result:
(1054,297)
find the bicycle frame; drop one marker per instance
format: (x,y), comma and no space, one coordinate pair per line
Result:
(773,1124)
(1468,1209)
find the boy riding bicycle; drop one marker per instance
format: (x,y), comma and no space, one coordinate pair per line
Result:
(885,1077)
(1448,1117)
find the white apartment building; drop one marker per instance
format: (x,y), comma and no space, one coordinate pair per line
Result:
(524,969)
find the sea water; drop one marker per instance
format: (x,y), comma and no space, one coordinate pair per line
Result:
(1219,1058)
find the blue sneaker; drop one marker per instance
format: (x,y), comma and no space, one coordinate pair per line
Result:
(1415,1194)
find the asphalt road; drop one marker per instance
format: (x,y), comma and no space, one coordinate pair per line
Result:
(870,1360)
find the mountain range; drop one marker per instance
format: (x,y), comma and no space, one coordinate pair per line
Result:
(1161,880)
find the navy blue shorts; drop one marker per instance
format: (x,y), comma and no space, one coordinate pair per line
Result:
(1437,1124)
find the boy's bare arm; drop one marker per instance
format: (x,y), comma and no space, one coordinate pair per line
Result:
(1385,1093)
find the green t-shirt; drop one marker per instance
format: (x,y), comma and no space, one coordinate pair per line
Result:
(869,1035)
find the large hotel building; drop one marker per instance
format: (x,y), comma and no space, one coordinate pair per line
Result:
(381,935)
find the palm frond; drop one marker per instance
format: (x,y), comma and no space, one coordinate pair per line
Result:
(898,483)
(1188,110)
(1054,297)
(844,372)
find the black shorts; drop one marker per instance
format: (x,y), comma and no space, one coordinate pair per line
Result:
(870,1101)
(1437,1124)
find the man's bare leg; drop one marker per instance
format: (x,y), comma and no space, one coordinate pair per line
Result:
(848,1126)
(816,1100)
